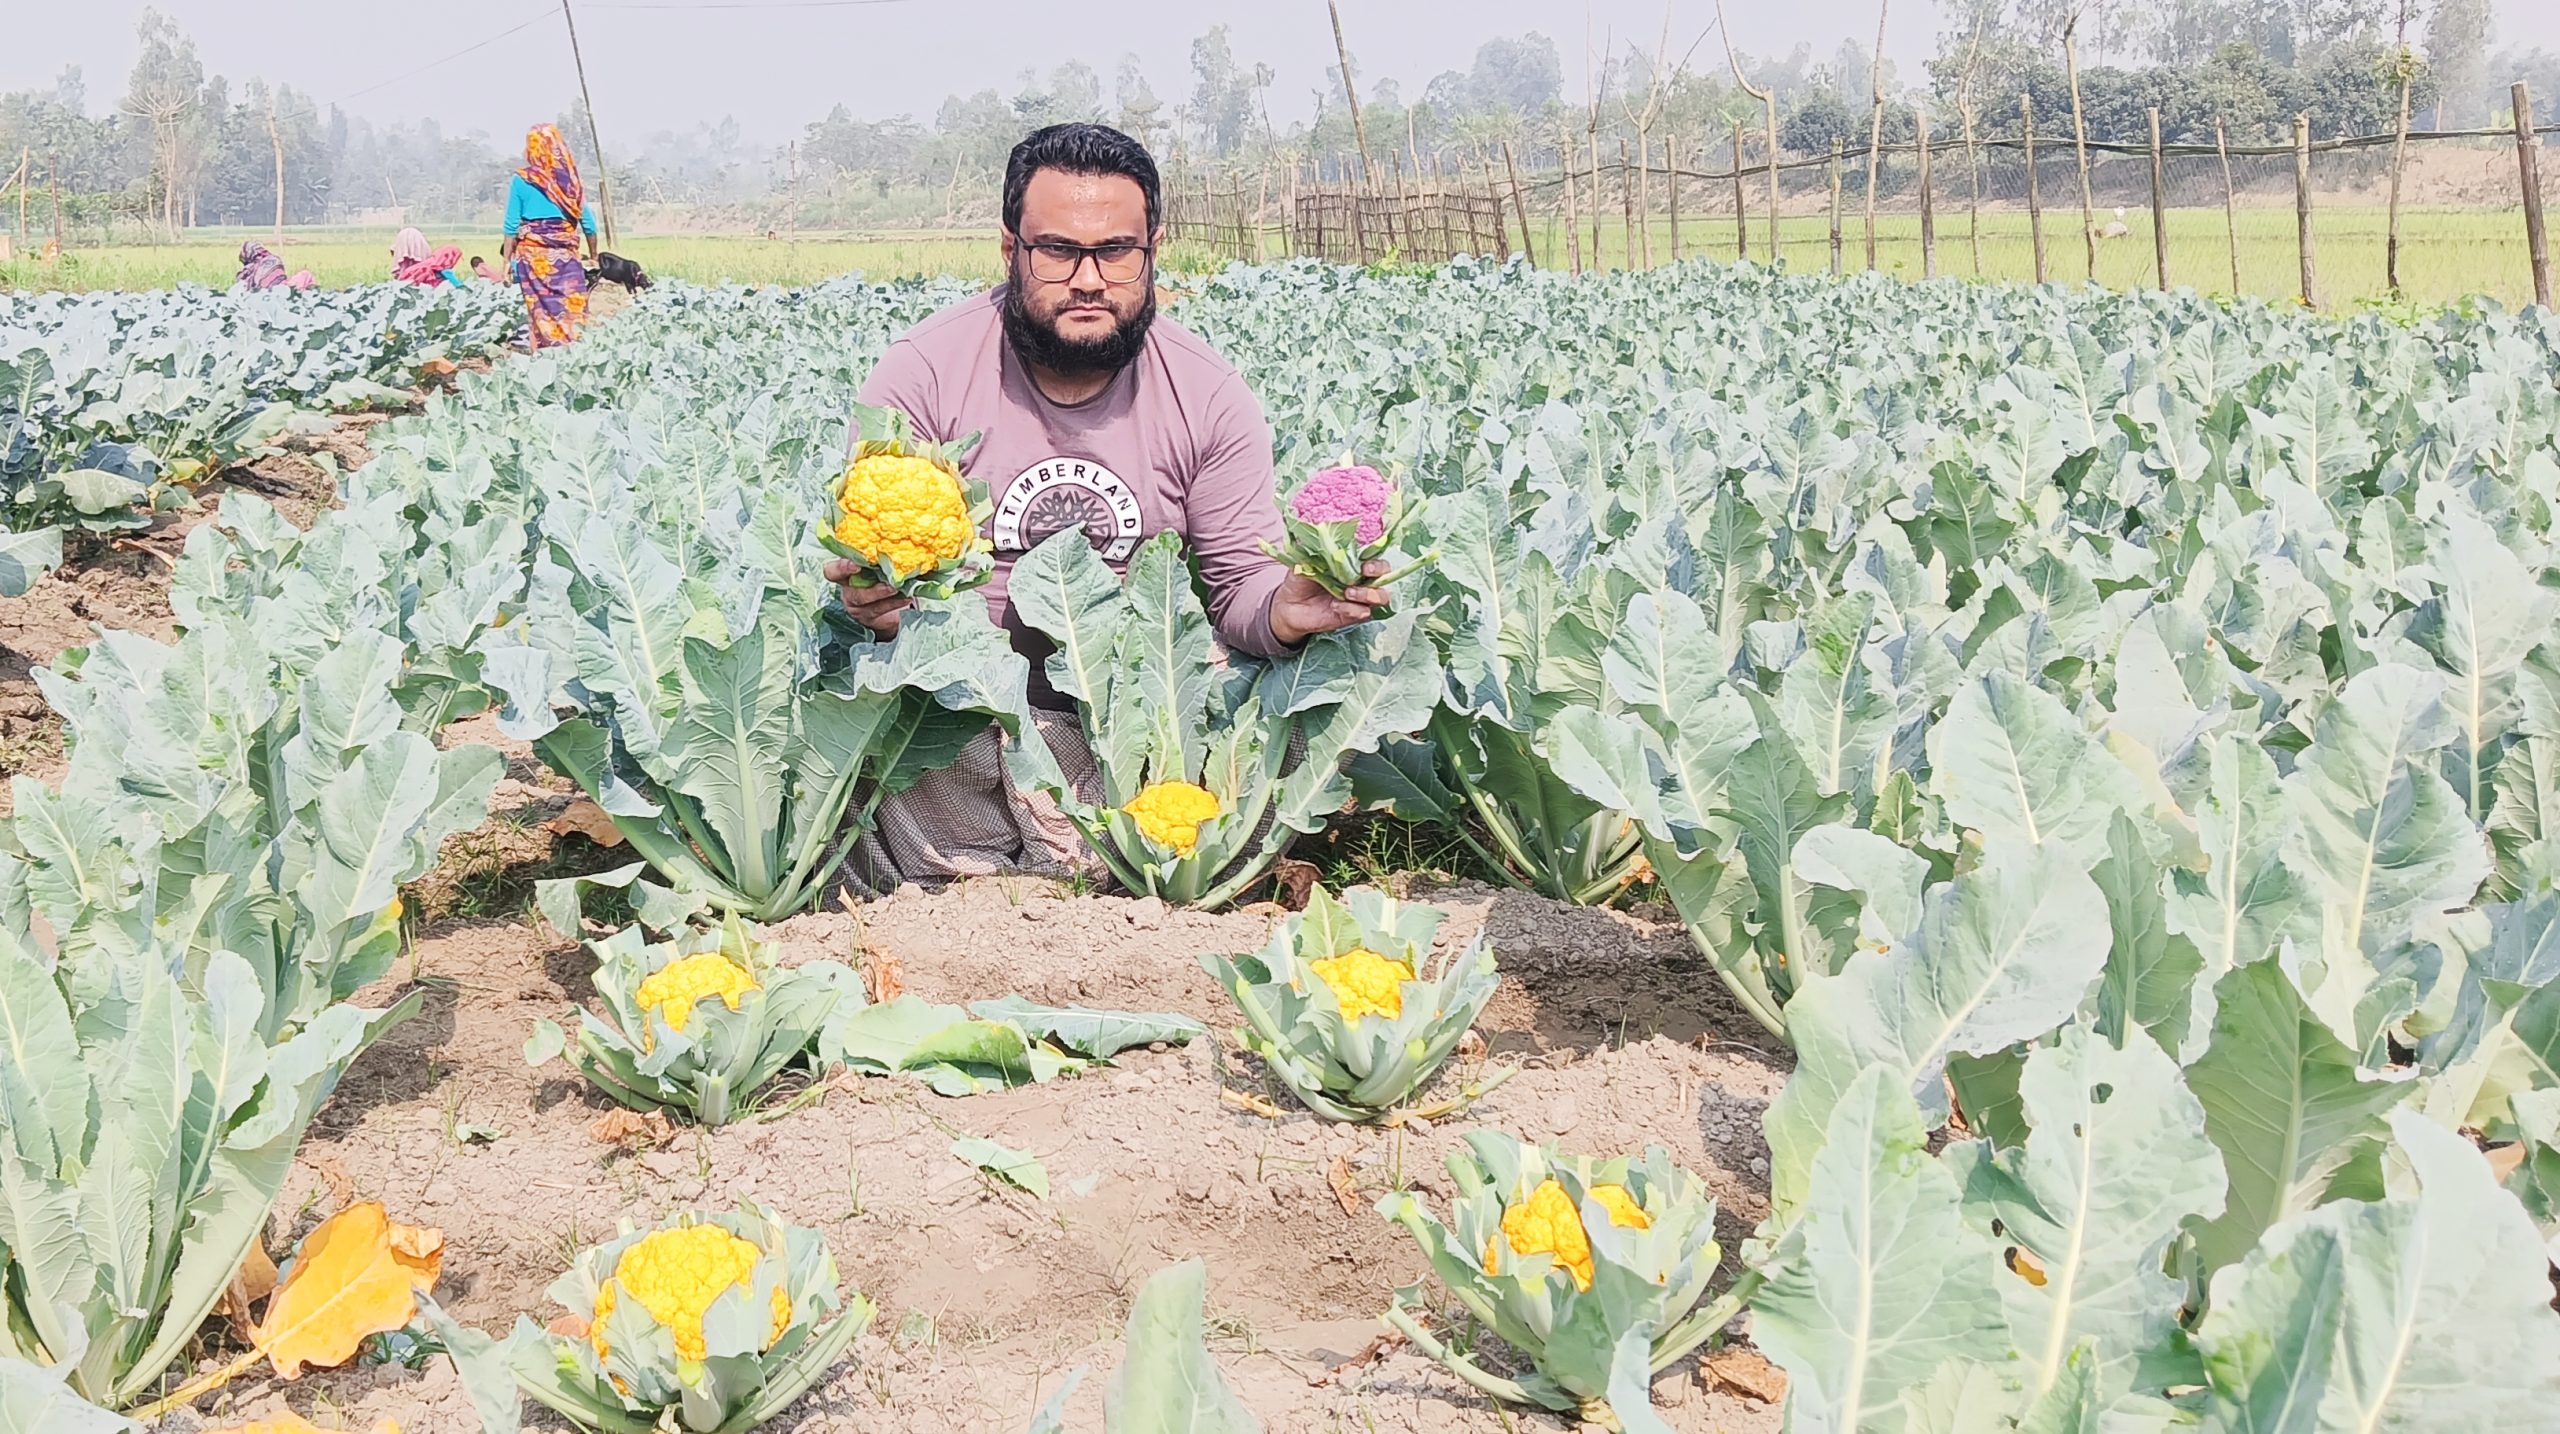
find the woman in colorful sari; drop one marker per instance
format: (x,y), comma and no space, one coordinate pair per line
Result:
(261,269)
(546,217)
(412,262)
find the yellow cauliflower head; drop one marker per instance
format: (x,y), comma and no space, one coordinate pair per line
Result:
(1170,813)
(672,989)
(1364,982)
(904,512)
(675,1275)
(1548,1223)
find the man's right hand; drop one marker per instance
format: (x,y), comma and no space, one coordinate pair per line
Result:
(877,608)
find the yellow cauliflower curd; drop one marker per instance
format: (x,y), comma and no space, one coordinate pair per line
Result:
(1170,813)
(675,1275)
(1364,982)
(1548,1223)
(907,513)
(672,989)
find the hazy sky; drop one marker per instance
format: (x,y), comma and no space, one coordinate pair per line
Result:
(775,64)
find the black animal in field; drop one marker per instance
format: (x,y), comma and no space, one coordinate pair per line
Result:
(612,268)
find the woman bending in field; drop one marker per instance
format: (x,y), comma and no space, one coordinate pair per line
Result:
(261,269)
(546,216)
(412,262)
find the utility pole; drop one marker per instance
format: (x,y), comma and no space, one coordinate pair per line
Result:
(1350,91)
(595,146)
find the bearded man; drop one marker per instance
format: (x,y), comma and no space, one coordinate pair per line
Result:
(1095,414)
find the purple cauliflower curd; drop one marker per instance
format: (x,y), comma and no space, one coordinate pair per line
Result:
(1339,493)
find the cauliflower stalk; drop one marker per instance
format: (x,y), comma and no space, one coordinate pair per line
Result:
(1352,1013)
(705,1324)
(1340,519)
(1566,1258)
(697,1024)
(904,514)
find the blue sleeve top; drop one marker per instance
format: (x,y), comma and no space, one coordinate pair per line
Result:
(526,201)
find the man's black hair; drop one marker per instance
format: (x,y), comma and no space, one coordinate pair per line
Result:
(1080,149)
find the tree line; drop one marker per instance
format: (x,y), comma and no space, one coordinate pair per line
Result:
(183,147)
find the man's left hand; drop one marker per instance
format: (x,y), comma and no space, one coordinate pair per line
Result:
(1302,608)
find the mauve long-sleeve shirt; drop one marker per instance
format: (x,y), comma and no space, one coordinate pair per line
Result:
(1176,442)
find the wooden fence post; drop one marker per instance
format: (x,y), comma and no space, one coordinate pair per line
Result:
(1771,134)
(2035,202)
(2529,168)
(2302,206)
(1566,150)
(1501,224)
(1741,236)
(1928,203)
(2159,205)
(1875,161)
(2230,199)
(1644,189)
(1627,199)
(1835,209)
(2080,144)
(1671,183)
(1520,202)
(1973,181)
(2401,60)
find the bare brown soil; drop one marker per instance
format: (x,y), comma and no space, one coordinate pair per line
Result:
(987,1296)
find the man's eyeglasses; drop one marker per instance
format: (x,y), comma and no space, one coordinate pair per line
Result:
(1116,263)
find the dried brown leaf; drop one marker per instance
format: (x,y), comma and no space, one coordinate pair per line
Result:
(584,818)
(2503,1160)
(254,1281)
(882,974)
(1292,882)
(1738,1369)
(631,1130)
(1345,1192)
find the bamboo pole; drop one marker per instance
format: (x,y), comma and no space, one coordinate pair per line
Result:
(1741,239)
(1770,99)
(1501,226)
(1599,200)
(2159,205)
(1671,183)
(1836,265)
(1627,201)
(2230,200)
(1875,127)
(2302,207)
(2035,201)
(1973,174)
(2080,143)
(1261,211)
(1350,91)
(1569,152)
(1928,204)
(2529,168)
(1520,203)
(595,145)
(1644,190)
(2399,158)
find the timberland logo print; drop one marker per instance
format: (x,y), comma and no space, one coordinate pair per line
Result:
(1056,494)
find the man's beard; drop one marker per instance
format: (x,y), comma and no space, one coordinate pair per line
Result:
(1042,346)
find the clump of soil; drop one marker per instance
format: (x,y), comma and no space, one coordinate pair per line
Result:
(988,1297)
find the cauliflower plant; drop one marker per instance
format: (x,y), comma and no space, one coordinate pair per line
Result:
(697,1024)
(904,513)
(1566,1257)
(1349,1011)
(706,1324)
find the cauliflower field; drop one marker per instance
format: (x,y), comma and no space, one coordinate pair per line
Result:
(1941,857)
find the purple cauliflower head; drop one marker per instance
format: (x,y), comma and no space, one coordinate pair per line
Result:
(1339,493)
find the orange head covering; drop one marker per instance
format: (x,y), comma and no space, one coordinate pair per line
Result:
(549,168)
